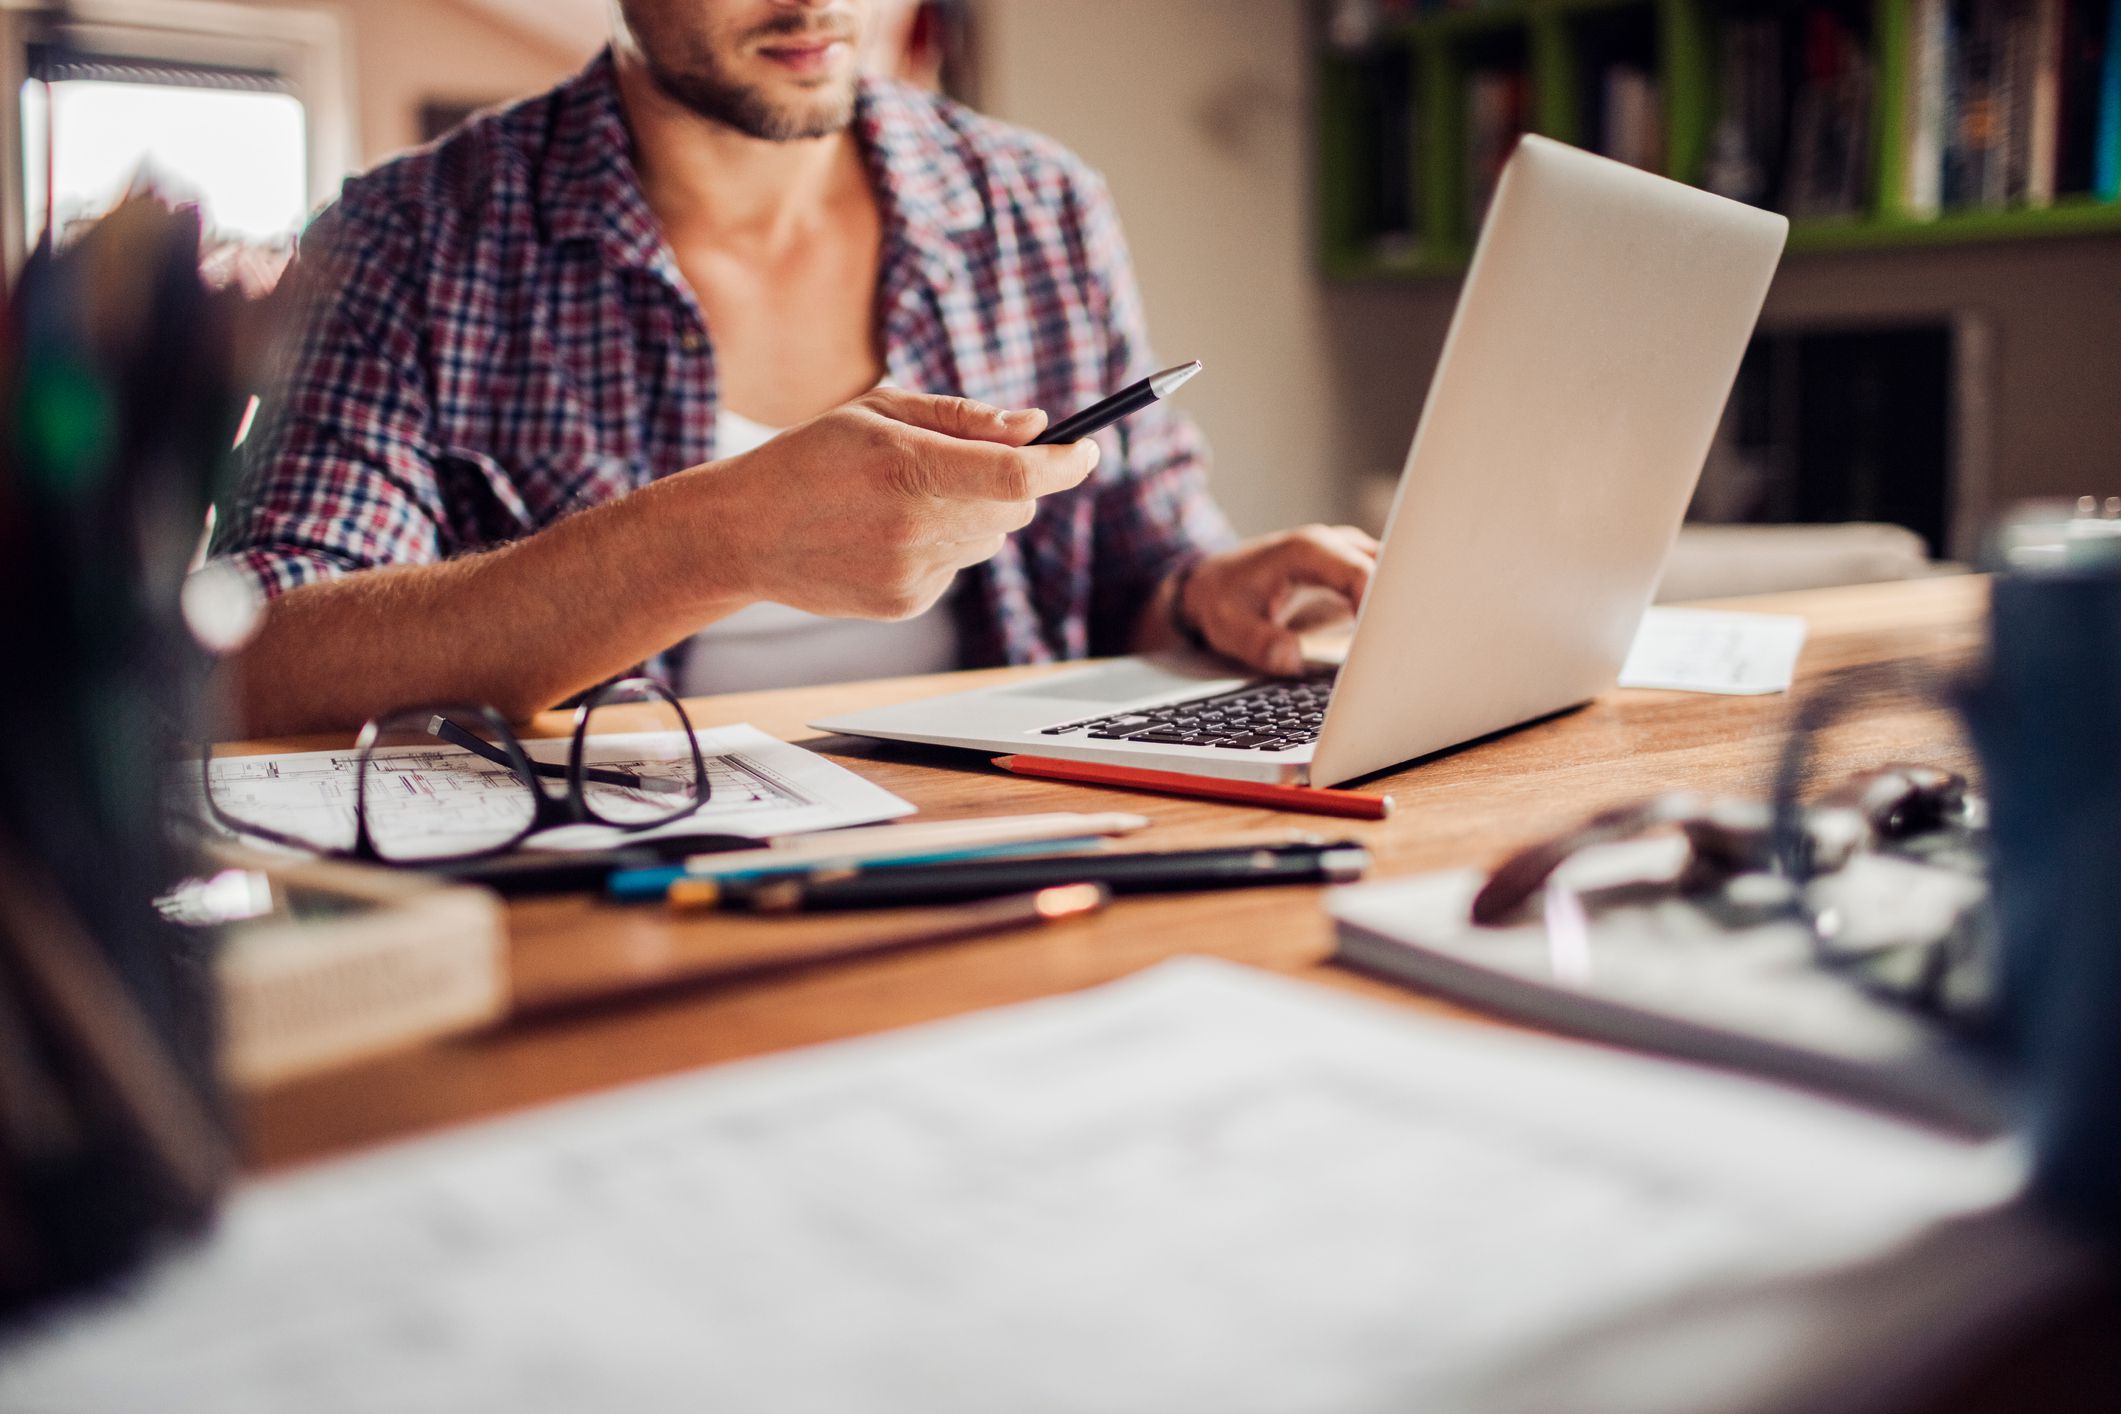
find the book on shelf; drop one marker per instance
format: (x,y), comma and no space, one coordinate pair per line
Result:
(1924,97)
(1631,117)
(1746,142)
(1977,109)
(1497,105)
(1387,219)
(2040,91)
(1804,149)
(2080,73)
(2004,106)
(2106,149)
(1830,122)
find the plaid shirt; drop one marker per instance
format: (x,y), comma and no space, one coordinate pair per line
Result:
(499,336)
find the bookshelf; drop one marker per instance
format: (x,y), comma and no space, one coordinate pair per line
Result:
(1415,103)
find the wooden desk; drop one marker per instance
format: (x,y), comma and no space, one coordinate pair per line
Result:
(1466,807)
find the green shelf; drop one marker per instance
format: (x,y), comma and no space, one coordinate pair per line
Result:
(1555,42)
(2075,218)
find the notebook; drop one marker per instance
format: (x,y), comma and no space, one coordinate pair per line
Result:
(1663,976)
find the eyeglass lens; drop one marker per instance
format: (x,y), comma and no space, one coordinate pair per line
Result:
(639,763)
(409,767)
(312,809)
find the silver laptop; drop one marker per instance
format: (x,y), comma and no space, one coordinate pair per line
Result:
(1595,343)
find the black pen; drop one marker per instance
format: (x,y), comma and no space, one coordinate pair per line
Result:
(1228,867)
(541,871)
(1130,399)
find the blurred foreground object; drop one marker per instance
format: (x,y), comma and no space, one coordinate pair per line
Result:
(322,963)
(1203,1187)
(120,373)
(2046,715)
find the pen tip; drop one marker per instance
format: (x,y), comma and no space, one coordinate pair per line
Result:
(1169,381)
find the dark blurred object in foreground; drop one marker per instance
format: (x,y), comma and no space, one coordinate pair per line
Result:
(2047,718)
(118,401)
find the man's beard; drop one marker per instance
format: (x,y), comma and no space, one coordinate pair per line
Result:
(707,93)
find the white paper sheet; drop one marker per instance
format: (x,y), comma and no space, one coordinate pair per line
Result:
(1203,1188)
(762,786)
(1709,650)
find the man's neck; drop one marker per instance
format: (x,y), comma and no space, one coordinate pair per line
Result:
(707,181)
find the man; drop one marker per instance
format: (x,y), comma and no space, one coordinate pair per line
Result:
(530,437)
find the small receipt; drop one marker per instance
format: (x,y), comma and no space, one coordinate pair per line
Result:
(1704,650)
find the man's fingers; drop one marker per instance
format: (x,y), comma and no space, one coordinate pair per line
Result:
(1361,539)
(964,418)
(1258,642)
(1305,607)
(977,471)
(1330,562)
(1060,468)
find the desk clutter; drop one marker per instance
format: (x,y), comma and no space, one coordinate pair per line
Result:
(119,378)
(322,964)
(1619,951)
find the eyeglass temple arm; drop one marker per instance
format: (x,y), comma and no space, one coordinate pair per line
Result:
(440,726)
(1520,876)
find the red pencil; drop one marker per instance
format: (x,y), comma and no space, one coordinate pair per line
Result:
(1314,800)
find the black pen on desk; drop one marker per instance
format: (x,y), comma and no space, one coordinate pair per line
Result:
(1169,871)
(1128,400)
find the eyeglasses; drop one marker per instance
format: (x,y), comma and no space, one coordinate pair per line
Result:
(1917,925)
(1886,872)
(438,785)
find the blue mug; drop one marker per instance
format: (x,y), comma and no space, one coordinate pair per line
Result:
(2045,716)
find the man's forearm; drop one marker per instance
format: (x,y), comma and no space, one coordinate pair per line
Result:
(520,627)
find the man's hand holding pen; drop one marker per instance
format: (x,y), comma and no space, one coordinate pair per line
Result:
(870,510)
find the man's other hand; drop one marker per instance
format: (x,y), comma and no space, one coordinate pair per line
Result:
(1252,602)
(869,510)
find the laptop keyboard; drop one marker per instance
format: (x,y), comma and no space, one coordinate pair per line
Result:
(1269,716)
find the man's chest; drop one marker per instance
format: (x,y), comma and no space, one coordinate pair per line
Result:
(795,333)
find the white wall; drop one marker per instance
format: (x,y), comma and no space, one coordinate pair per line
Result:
(1197,111)
(410,52)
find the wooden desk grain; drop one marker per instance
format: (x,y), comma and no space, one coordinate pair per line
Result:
(1465,807)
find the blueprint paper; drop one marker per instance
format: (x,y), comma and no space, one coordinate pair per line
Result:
(762,787)
(1202,1188)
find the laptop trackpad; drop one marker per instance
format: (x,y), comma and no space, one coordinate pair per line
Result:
(1121,681)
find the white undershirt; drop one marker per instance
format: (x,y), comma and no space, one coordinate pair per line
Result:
(767,645)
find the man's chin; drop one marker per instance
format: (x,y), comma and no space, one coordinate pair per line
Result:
(794,122)
(814,110)
(785,111)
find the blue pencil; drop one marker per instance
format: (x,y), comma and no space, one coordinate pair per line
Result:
(653,885)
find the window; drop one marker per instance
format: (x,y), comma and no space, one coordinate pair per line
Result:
(233,141)
(246,109)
